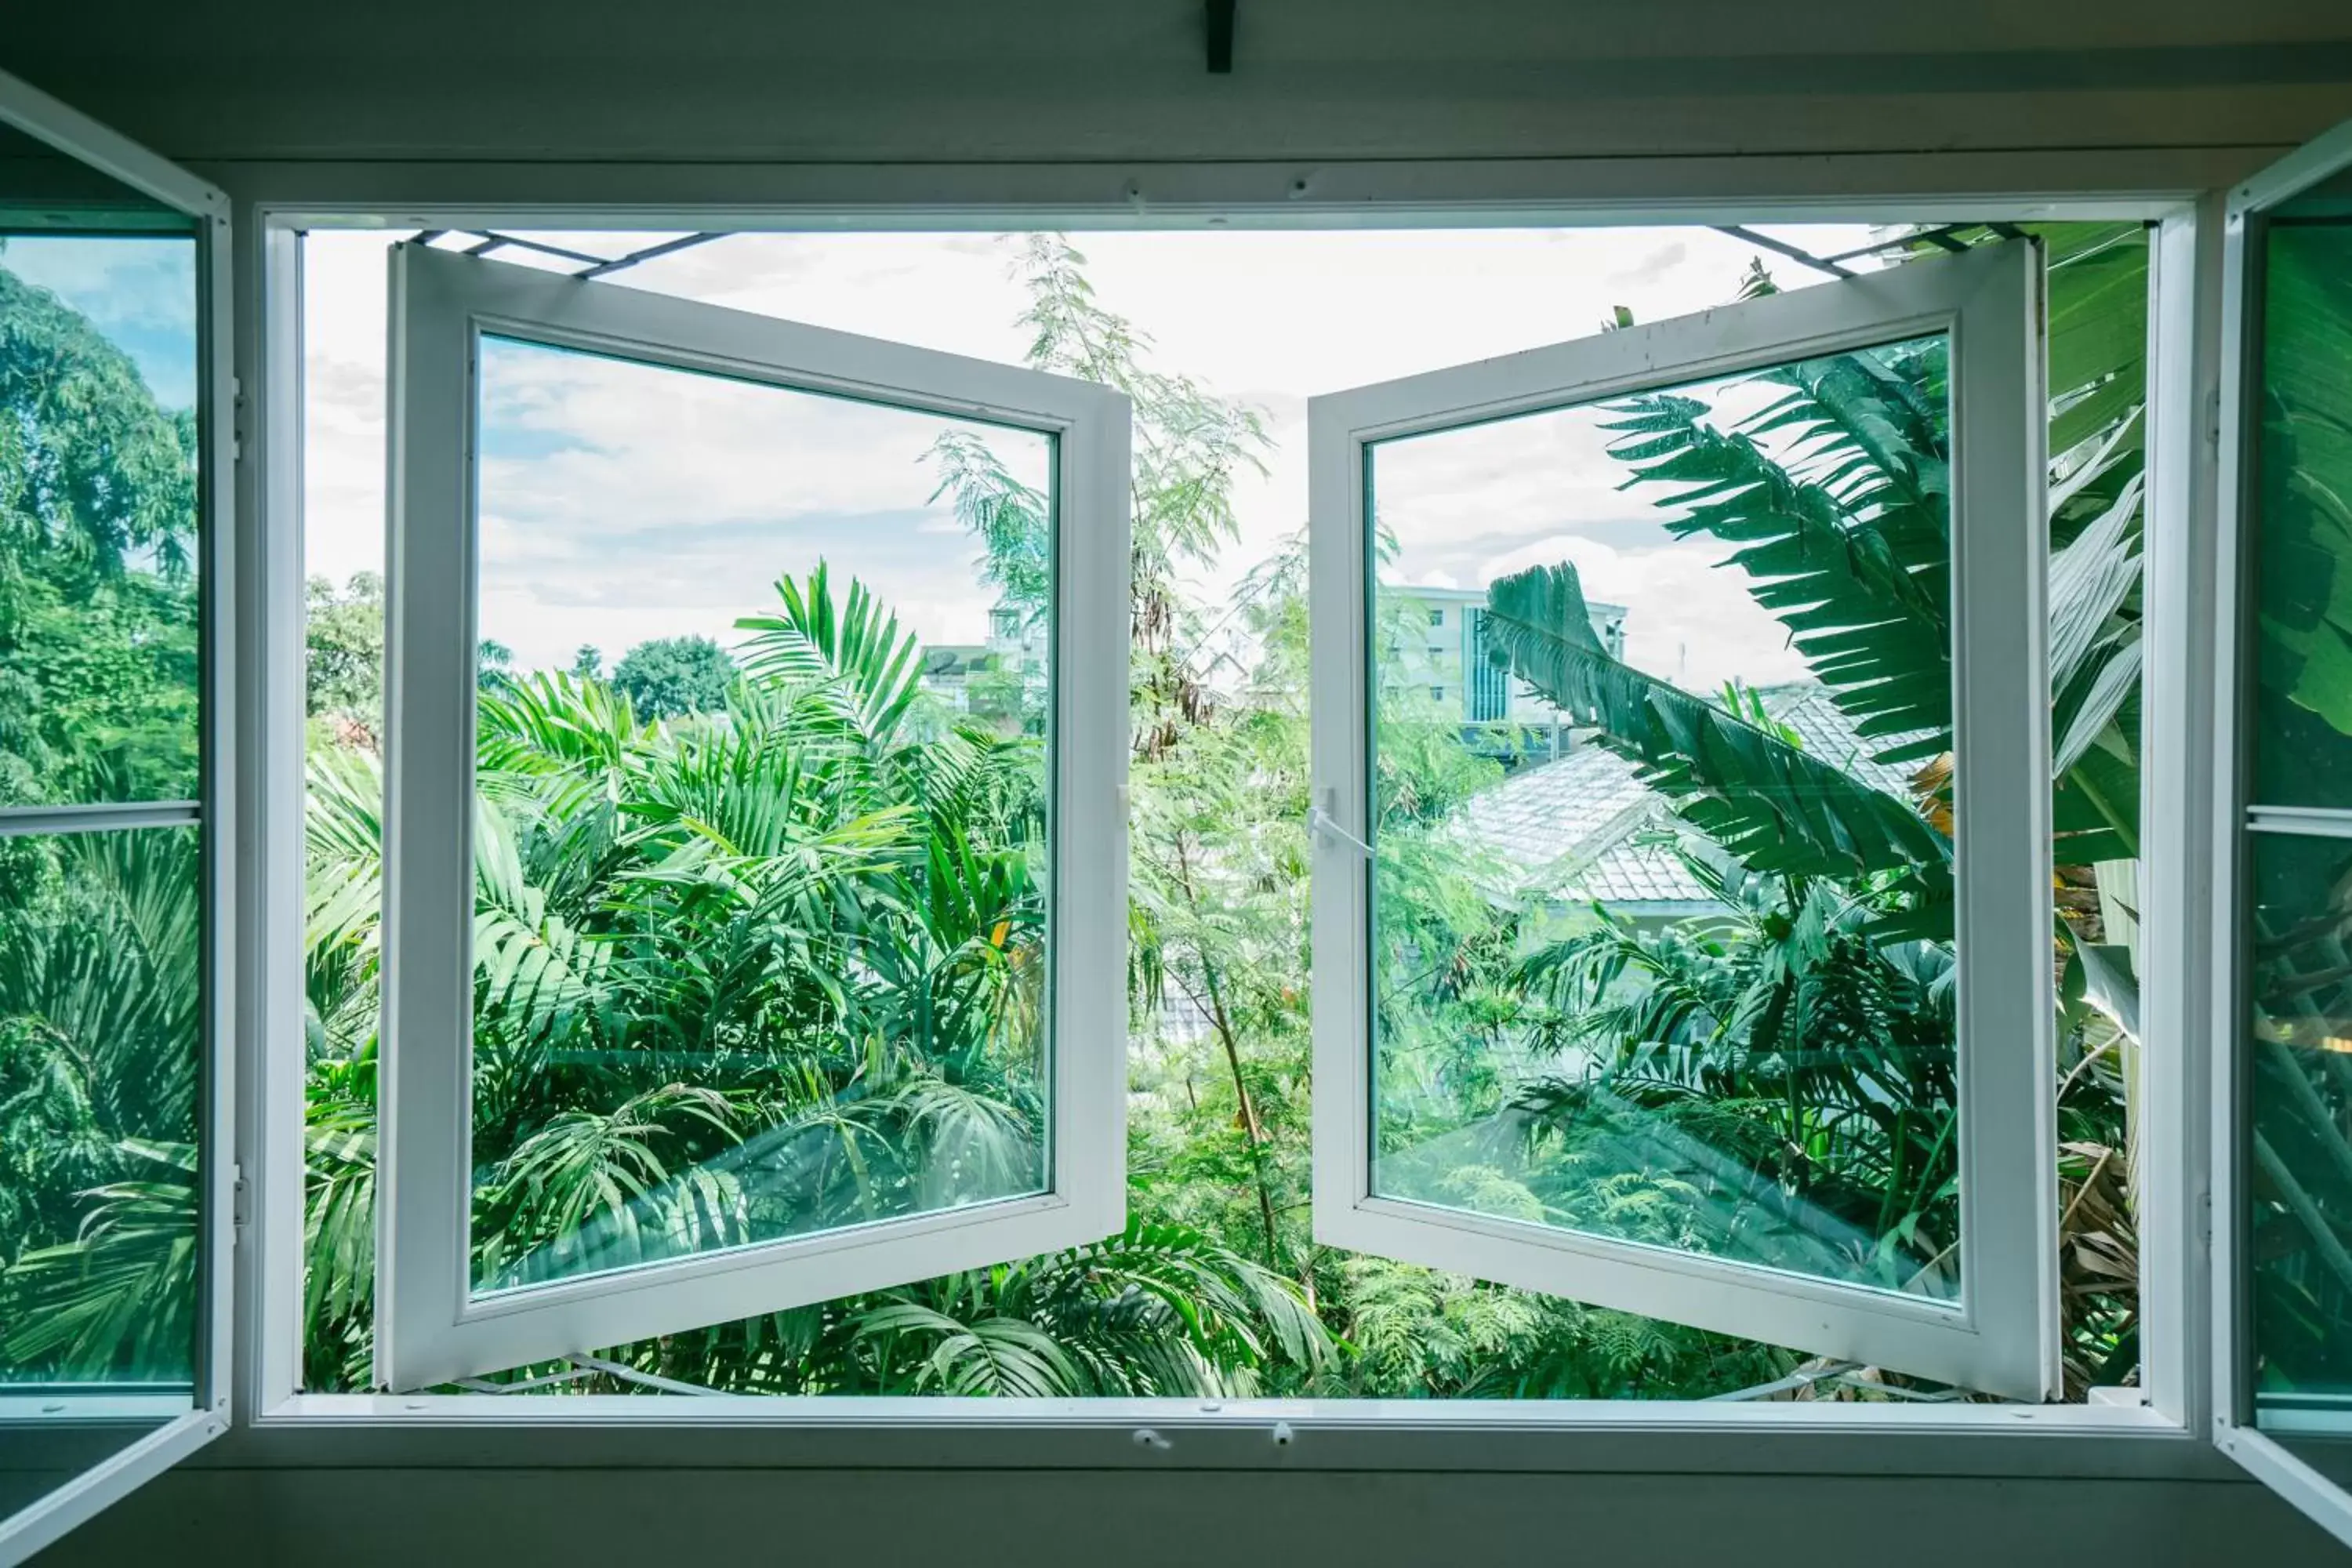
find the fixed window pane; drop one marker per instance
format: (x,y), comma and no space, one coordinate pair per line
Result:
(762,819)
(1663,929)
(2301,407)
(97,490)
(101,1032)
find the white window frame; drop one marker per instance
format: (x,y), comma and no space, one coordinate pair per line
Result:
(180,1426)
(2238,426)
(431,1328)
(2156,1432)
(2001,1333)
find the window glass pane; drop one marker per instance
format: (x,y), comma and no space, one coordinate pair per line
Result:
(760,929)
(2302,397)
(2298,1165)
(101,1038)
(97,490)
(1663,944)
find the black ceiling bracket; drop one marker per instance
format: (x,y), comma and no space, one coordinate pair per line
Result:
(1220,17)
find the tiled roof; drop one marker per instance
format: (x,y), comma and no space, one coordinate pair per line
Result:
(1581,828)
(1829,734)
(1585,827)
(1641,870)
(1539,814)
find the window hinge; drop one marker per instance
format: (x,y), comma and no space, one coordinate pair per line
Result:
(2213,417)
(240,1199)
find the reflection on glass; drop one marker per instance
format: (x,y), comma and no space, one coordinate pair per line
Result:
(1663,946)
(2299,1159)
(2303,502)
(761,815)
(97,517)
(43,1446)
(100,1044)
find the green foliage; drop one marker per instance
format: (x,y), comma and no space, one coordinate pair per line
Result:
(1835,498)
(1190,448)
(669,677)
(860,666)
(825,918)
(100,1030)
(343,677)
(1793,1076)
(1007,517)
(1422,1334)
(97,594)
(2305,689)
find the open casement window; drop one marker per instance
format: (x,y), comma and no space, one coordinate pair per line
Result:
(2283,1145)
(115,463)
(1713,653)
(816,902)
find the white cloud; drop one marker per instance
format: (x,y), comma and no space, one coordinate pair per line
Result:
(1607,573)
(622,500)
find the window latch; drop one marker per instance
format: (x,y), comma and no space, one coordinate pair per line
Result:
(1320,823)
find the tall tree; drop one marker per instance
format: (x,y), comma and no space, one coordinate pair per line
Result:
(668,677)
(97,531)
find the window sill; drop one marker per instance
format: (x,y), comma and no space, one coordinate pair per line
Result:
(1592,1436)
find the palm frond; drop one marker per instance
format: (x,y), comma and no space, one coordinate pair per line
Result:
(1773,805)
(854,651)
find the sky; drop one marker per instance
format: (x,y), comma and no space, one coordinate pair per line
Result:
(140,293)
(623,501)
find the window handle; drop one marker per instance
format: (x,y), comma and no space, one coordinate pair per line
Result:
(1321,823)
